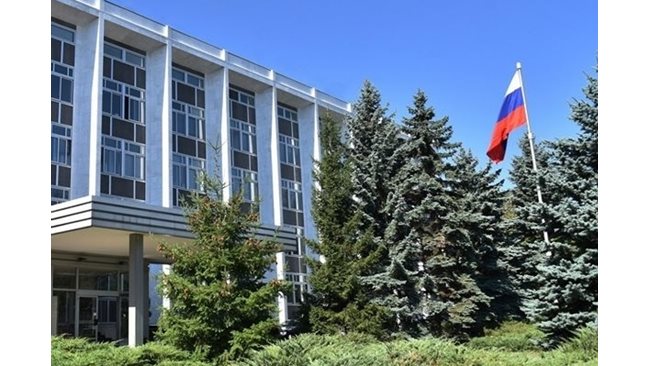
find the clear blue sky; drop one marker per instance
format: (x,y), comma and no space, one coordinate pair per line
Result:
(461,53)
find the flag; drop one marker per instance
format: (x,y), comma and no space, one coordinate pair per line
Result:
(512,115)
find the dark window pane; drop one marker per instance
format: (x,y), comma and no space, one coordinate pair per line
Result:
(66,90)
(298,176)
(107,67)
(185,94)
(123,129)
(56,86)
(186,146)
(241,160)
(142,79)
(54,113)
(254,163)
(68,54)
(104,184)
(296,134)
(123,72)
(106,125)
(139,190)
(239,112)
(53,174)
(200,98)
(251,115)
(64,176)
(289,217)
(201,149)
(56,50)
(301,219)
(232,94)
(66,114)
(286,171)
(122,187)
(140,134)
(284,126)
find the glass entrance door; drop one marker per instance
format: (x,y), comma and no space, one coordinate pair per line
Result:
(87,317)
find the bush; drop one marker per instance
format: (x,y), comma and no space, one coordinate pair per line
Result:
(81,352)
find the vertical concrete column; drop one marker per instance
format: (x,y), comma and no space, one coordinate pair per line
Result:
(136,289)
(268,157)
(225,134)
(166,302)
(307,125)
(158,125)
(282,299)
(215,100)
(87,112)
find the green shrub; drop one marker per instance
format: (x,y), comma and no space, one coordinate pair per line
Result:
(510,336)
(81,352)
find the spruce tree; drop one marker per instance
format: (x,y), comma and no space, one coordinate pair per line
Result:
(480,209)
(522,248)
(219,303)
(335,305)
(373,140)
(567,294)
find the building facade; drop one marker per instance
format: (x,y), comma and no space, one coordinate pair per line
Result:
(135,110)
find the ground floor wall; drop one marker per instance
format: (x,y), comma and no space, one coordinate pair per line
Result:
(90,297)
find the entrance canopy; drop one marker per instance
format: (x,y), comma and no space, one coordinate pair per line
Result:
(97,225)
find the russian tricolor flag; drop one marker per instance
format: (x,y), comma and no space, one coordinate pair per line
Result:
(512,115)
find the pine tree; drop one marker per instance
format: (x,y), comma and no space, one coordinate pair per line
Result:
(335,305)
(567,294)
(219,304)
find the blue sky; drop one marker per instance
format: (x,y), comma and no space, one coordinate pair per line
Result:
(461,53)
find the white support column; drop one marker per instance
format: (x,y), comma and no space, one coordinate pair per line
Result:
(282,298)
(87,113)
(225,134)
(268,166)
(215,118)
(308,121)
(136,289)
(158,126)
(166,302)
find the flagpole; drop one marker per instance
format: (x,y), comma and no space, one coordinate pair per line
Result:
(532,145)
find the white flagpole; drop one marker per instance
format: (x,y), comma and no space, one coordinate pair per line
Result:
(532,146)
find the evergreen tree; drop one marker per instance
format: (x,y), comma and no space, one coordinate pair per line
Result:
(373,140)
(335,305)
(480,208)
(219,304)
(566,297)
(522,249)
(428,282)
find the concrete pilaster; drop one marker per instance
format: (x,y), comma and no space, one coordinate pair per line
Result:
(137,291)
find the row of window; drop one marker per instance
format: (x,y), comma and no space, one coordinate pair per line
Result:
(62,94)
(123,153)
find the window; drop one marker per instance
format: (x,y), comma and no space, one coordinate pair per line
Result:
(290,172)
(123,123)
(188,132)
(243,141)
(62,96)
(246,182)
(242,137)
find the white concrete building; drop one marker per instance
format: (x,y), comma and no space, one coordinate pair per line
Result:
(136,106)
